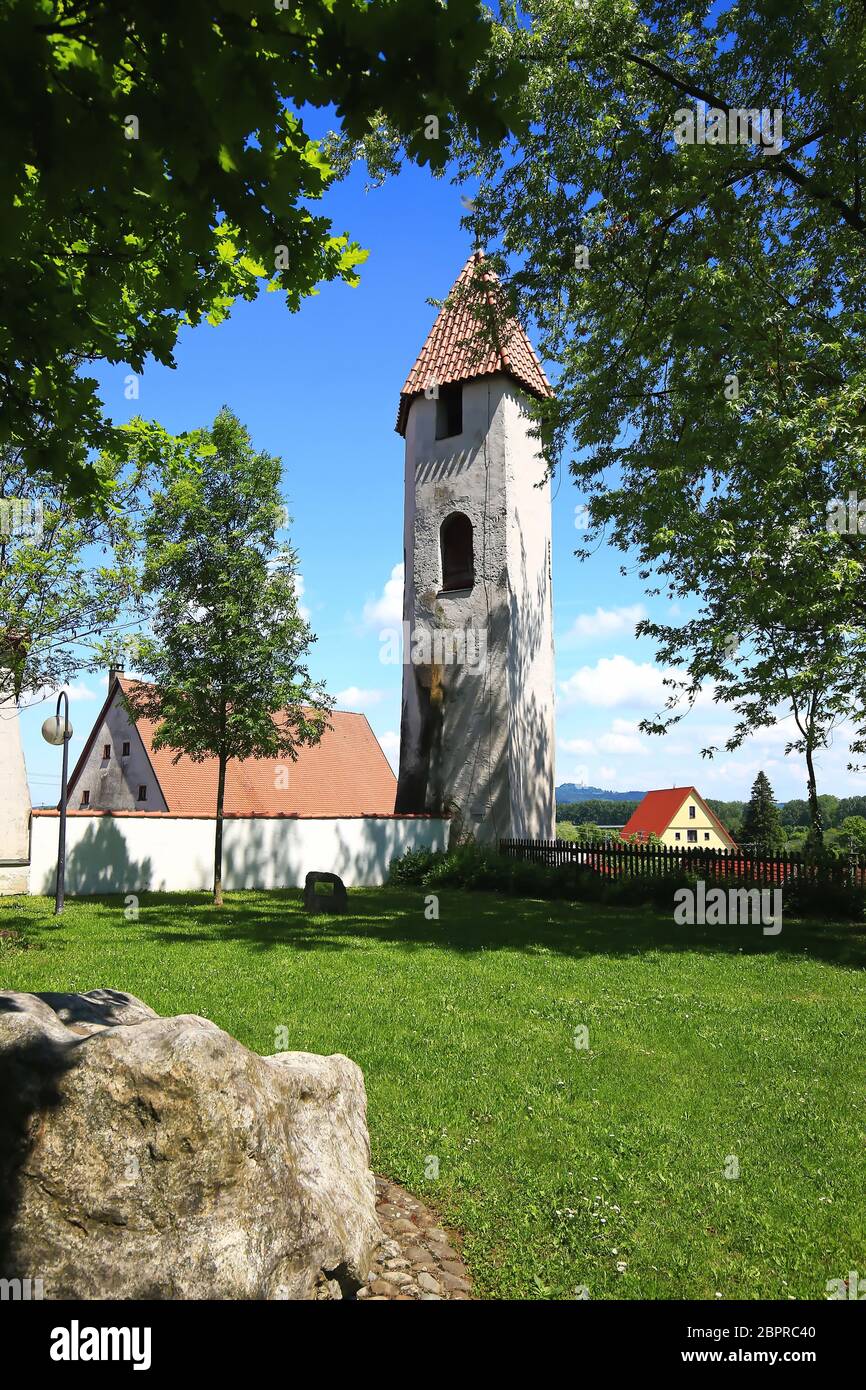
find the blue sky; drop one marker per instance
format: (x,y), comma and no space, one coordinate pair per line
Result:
(320,388)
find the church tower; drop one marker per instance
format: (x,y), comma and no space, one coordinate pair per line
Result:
(477,727)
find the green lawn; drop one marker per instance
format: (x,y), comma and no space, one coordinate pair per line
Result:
(557,1163)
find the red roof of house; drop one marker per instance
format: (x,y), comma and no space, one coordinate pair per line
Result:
(658,808)
(345,774)
(458,346)
(656,811)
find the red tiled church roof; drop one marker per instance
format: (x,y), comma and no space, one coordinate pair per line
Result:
(658,808)
(345,774)
(458,346)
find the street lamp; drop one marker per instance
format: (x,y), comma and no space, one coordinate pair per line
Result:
(57,734)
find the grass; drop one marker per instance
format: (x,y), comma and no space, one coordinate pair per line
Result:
(564,1167)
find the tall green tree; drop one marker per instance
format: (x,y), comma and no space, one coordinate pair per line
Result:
(226,654)
(853,833)
(794,813)
(68,580)
(155,165)
(596,812)
(761,829)
(730,813)
(704,306)
(585,833)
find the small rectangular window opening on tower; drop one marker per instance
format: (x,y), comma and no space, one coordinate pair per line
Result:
(125,753)
(85,798)
(142,793)
(106,751)
(449,412)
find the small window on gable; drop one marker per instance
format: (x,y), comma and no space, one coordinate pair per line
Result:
(692,836)
(458,563)
(85,798)
(125,753)
(692,811)
(449,411)
(142,793)
(676,834)
(106,752)
(706,834)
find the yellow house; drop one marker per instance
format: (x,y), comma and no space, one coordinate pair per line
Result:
(680,817)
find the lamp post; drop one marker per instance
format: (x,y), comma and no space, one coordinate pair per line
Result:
(59,734)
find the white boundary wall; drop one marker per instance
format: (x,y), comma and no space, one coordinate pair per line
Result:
(131,854)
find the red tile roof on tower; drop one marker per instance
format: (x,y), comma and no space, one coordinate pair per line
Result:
(658,808)
(345,774)
(458,346)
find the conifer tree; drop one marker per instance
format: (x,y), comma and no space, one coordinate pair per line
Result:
(762,828)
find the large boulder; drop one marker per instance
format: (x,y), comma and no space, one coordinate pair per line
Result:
(148,1157)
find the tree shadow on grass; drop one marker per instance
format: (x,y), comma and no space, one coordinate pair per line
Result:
(475,922)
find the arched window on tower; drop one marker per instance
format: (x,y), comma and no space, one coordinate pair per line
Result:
(458,564)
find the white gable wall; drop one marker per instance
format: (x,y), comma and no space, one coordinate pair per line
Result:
(113,782)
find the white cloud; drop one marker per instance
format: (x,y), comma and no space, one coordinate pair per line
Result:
(604,622)
(299,594)
(734,776)
(390,743)
(387,609)
(354,698)
(73,692)
(644,761)
(621,737)
(577,745)
(79,692)
(615,681)
(618,681)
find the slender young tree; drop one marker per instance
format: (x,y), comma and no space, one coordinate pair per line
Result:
(66,579)
(225,658)
(762,828)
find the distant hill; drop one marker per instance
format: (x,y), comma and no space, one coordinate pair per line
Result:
(570,792)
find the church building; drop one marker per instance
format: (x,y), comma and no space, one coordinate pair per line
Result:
(477,724)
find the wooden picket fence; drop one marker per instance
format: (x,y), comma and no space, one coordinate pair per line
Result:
(616,859)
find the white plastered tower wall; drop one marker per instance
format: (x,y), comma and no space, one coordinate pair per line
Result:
(531,669)
(14,802)
(477,738)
